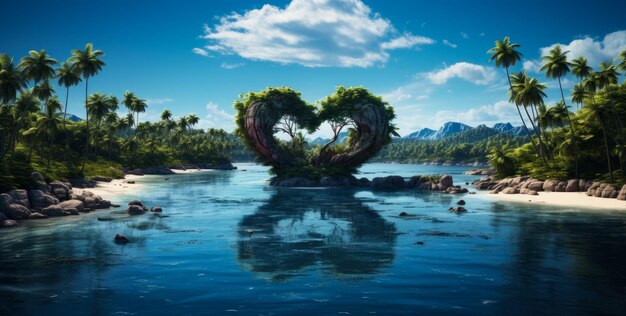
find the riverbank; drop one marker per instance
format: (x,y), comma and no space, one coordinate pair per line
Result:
(559,199)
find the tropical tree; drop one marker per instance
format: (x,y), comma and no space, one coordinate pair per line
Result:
(622,64)
(38,66)
(68,77)
(581,68)
(88,64)
(579,94)
(98,106)
(530,94)
(501,159)
(44,91)
(166,115)
(11,79)
(192,119)
(599,111)
(48,124)
(140,106)
(26,104)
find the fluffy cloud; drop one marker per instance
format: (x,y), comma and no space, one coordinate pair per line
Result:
(319,33)
(531,66)
(448,43)
(596,51)
(231,66)
(473,73)
(217,118)
(201,52)
(499,112)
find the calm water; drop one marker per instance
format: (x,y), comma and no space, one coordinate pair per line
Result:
(317,252)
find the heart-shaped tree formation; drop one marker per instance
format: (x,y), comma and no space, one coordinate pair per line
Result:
(366,116)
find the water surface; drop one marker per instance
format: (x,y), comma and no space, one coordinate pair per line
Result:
(228,245)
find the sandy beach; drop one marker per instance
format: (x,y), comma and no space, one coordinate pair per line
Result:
(571,199)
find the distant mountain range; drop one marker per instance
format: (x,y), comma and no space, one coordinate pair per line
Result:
(73,117)
(321,141)
(452,128)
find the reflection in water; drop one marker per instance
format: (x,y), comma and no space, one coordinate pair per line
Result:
(297,229)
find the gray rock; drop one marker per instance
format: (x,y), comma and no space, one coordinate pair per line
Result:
(20,195)
(294,182)
(458,209)
(90,202)
(72,204)
(445,182)
(37,215)
(414,181)
(329,182)
(16,211)
(509,190)
(135,202)
(120,239)
(156,209)
(561,187)
(39,200)
(550,185)
(581,185)
(536,186)
(8,223)
(72,211)
(608,191)
(460,202)
(5,200)
(136,210)
(622,193)
(102,179)
(572,185)
(54,211)
(37,177)
(388,183)
(60,190)
(3,217)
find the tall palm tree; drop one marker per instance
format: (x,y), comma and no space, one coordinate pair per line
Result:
(49,122)
(98,106)
(166,115)
(68,77)
(129,102)
(518,80)
(25,105)
(88,64)
(38,66)
(622,64)
(599,111)
(579,94)
(140,107)
(530,94)
(505,54)
(556,66)
(193,119)
(581,68)
(11,79)
(44,91)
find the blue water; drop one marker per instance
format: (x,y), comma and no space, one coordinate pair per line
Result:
(316,252)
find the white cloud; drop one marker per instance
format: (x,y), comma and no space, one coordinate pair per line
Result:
(231,66)
(200,52)
(499,112)
(531,65)
(217,118)
(320,33)
(464,35)
(596,51)
(159,101)
(448,43)
(406,41)
(473,73)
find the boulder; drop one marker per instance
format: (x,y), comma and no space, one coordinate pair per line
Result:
(458,190)
(600,190)
(536,186)
(60,190)
(581,185)
(388,183)
(329,182)
(5,200)
(43,187)
(72,211)
(8,223)
(560,187)
(3,217)
(120,239)
(102,204)
(37,215)
(528,191)
(363,182)
(16,211)
(89,202)
(509,190)
(72,204)
(622,193)
(445,181)
(424,185)
(458,209)
(414,181)
(550,185)
(135,202)
(156,209)
(21,197)
(608,191)
(294,182)
(572,185)
(54,211)
(136,210)
(40,200)
(460,202)
(37,177)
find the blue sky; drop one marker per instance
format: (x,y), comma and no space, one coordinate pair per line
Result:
(427,58)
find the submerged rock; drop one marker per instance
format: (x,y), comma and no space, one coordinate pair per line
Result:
(460,202)
(8,223)
(388,183)
(156,209)
(458,209)
(121,239)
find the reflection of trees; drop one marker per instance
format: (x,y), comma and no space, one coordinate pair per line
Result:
(566,262)
(296,229)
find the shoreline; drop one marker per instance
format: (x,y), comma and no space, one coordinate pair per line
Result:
(561,199)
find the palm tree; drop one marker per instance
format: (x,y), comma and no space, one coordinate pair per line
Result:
(622,64)
(580,68)
(129,102)
(501,159)
(38,66)
(579,94)
(88,64)
(98,106)
(599,111)
(68,76)
(11,79)
(140,107)
(166,115)
(26,104)
(556,66)
(505,55)
(193,119)
(44,91)
(49,122)
(517,81)
(530,93)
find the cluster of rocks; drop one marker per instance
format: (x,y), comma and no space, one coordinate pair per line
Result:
(530,186)
(481,172)
(47,200)
(136,207)
(168,170)
(389,183)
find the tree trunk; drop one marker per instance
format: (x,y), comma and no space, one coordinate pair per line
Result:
(606,146)
(520,114)
(67,134)
(82,169)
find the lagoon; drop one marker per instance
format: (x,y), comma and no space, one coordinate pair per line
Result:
(227,245)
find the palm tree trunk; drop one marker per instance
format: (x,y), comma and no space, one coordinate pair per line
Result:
(569,119)
(606,145)
(67,134)
(542,146)
(82,169)
(520,114)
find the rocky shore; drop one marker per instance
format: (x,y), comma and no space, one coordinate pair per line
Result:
(530,186)
(47,200)
(390,183)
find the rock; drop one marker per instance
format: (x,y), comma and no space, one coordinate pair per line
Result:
(460,202)
(72,211)
(388,183)
(121,239)
(293,182)
(61,190)
(363,182)
(102,179)
(424,185)
(130,182)
(403,214)
(414,181)
(509,190)
(90,202)
(39,200)
(82,183)
(622,193)
(54,210)
(16,211)
(5,200)
(3,217)
(608,191)
(72,204)
(216,166)
(136,210)
(105,219)
(88,193)
(536,186)
(445,181)
(560,187)
(458,209)
(581,185)
(37,215)
(329,182)
(156,209)
(528,191)
(600,190)
(572,185)
(8,223)
(458,190)
(20,196)
(135,202)
(38,177)
(550,185)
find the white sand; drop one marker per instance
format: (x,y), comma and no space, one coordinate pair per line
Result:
(572,199)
